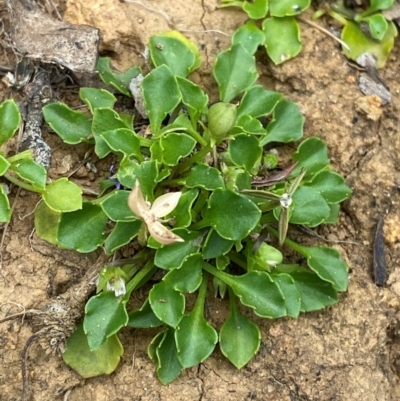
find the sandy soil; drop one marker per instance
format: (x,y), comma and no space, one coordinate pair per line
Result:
(345,353)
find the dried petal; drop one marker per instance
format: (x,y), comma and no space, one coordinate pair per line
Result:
(116,284)
(165,204)
(162,234)
(136,201)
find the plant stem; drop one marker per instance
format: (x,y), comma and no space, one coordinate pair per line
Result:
(22,184)
(294,245)
(143,274)
(234,257)
(195,158)
(26,154)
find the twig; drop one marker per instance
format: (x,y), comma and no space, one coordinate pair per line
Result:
(314,25)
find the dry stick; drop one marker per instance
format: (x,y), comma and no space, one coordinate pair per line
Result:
(314,25)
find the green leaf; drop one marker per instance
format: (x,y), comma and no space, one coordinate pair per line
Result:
(117,80)
(215,245)
(279,8)
(376,5)
(5,209)
(144,317)
(258,102)
(235,71)
(115,206)
(286,124)
(327,264)
(282,38)
(175,146)
(291,293)
(4,165)
(30,171)
(123,140)
(377,26)
(96,98)
(334,214)
(331,186)
(46,223)
(244,151)
(172,256)
(89,363)
(312,154)
(256,9)
(105,315)
(255,290)
(104,120)
(232,215)
(122,234)
(72,126)
(10,118)
(175,51)
(315,293)
(359,43)
(167,304)
(82,230)
(239,337)
(250,36)
(161,95)
(195,338)
(310,208)
(63,195)
(182,214)
(205,177)
(168,366)
(249,125)
(192,96)
(188,277)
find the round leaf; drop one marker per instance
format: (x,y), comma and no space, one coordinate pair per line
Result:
(204,176)
(282,38)
(195,339)
(71,126)
(310,207)
(115,206)
(256,9)
(232,215)
(10,118)
(167,304)
(239,339)
(258,102)
(89,363)
(290,292)
(175,146)
(30,171)
(235,71)
(168,366)
(82,230)
(96,98)
(123,140)
(63,196)
(144,317)
(244,150)
(46,223)
(286,124)
(279,8)
(105,315)
(161,95)
(215,245)
(331,186)
(188,277)
(122,234)
(171,49)
(250,36)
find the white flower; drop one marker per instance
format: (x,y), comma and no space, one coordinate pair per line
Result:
(151,214)
(116,284)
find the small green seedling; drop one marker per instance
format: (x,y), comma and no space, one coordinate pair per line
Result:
(21,169)
(194,196)
(365,31)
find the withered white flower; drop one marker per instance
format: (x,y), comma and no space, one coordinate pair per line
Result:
(151,214)
(116,284)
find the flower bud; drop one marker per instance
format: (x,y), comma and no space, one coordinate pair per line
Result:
(221,119)
(266,257)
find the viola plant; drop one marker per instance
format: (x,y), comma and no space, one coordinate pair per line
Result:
(22,170)
(203,198)
(365,30)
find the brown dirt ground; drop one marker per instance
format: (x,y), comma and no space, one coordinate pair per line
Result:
(345,353)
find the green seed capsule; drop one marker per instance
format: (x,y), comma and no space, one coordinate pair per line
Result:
(221,119)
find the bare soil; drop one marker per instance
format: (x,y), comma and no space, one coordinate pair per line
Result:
(350,352)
